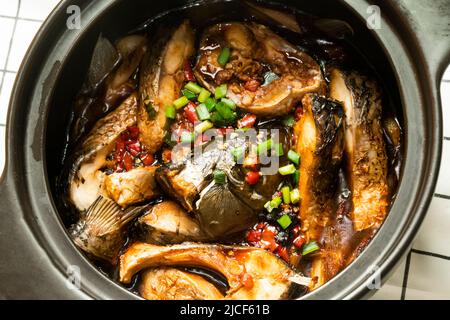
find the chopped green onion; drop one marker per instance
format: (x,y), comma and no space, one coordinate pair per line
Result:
(150,110)
(187,137)
(237,153)
(217,119)
(286,192)
(224,56)
(229,103)
(284,221)
(192,86)
(221,91)
(288,121)
(295,196)
(296,177)
(181,102)
(226,112)
(278,149)
(202,112)
(268,207)
(286,170)
(171,112)
(219,176)
(294,157)
(210,103)
(275,202)
(203,126)
(264,147)
(310,247)
(188,94)
(203,95)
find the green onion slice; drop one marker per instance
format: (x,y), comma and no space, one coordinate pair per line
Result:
(284,221)
(310,247)
(224,56)
(286,170)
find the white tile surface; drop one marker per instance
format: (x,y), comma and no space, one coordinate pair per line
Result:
(428,278)
(392,288)
(445,101)
(435,228)
(2,148)
(443,183)
(446,74)
(6,27)
(8,82)
(36,9)
(9,8)
(25,31)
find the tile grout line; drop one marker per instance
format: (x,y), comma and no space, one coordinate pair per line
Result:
(430,254)
(10,44)
(446,138)
(443,196)
(7,71)
(405,276)
(19,18)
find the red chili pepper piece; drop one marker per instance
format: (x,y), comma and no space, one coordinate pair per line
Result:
(254,236)
(283,253)
(298,113)
(299,241)
(252,177)
(188,73)
(247,121)
(190,113)
(128,161)
(247,280)
(134,148)
(147,159)
(134,132)
(252,85)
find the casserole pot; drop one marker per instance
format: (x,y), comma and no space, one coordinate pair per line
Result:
(409,52)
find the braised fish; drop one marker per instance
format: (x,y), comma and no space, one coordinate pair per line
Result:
(85,178)
(168,223)
(319,135)
(173,284)
(252,273)
(161,79)
(266,75)
(365,149)
(100,232)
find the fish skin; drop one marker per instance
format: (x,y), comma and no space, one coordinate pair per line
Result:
(319,135)
(364,147)
(161,79)
(92,152)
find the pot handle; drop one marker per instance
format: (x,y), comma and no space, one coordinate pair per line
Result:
(430,21)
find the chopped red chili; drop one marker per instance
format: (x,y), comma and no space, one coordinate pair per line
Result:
(247,121)
(188,73)
(252,177)
(190,113)
(252,85)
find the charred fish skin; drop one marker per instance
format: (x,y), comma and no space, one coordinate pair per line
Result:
(319,135)
(364,147)
(83,177)
(160,82)
(100,231)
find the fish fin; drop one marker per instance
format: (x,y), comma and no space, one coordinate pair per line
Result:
(104,216)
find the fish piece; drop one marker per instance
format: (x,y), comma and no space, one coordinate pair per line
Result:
(173,284)
(252,273)
(319,135)
(100,231)
(364,147)
(168,223)
(256,51)
(85,177)
(161,79)
(136,185)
